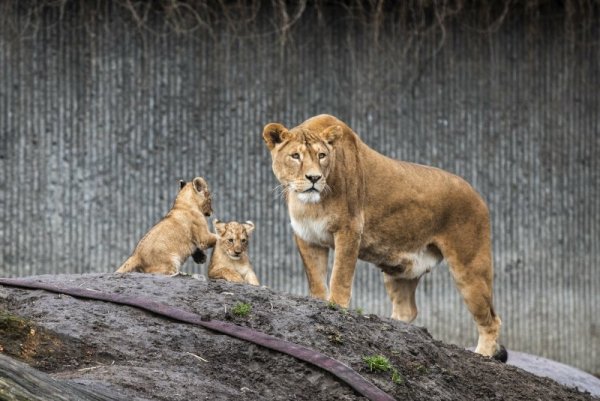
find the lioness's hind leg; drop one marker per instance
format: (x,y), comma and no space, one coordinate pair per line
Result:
(402,295)
(474,282)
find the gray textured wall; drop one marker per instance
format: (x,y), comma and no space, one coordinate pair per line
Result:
(101,114)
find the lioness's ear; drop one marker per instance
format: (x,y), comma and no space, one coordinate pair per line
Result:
(249,226)
(219,227)
(274,133)
(200,184)
(332,134)
(182,184)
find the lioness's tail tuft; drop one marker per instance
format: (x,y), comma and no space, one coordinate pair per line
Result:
(501,355)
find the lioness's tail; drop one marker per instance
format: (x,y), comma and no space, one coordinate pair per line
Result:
(132,264)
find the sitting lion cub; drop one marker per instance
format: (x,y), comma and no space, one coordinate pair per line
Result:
(229,260)
(181,233)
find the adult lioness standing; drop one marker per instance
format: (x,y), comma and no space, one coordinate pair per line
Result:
(403,217)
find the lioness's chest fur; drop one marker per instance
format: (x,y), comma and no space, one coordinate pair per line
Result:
(312,229)
(310,223)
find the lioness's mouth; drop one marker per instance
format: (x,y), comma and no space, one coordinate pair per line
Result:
(312,189)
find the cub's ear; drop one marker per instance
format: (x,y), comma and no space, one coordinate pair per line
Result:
(332,134)
(219,227)
(200,184)
(182,184)
(249,226)
(275,133)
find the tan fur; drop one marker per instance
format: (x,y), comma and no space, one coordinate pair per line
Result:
(229,260)
(403,217)
(181,232)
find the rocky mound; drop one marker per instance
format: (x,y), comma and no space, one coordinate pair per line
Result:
(133,355)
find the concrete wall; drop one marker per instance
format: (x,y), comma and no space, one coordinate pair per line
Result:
(101,113)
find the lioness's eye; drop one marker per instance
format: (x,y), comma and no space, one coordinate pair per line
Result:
(243,240)
(295,156)
(322,155)
(231,240)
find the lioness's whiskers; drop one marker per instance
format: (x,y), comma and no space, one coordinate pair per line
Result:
(281,190)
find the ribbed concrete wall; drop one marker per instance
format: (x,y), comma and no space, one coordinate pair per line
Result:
(100,116)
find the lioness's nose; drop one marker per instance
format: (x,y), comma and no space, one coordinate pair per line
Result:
(313,178)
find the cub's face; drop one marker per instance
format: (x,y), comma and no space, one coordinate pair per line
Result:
(302,160)
(198,194)
(233,237)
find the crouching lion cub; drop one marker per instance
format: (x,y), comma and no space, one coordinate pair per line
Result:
(229,260)
(181,233)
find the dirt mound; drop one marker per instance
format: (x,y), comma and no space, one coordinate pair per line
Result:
(144,357)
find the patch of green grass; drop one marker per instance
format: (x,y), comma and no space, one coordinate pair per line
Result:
(332,305)
(382,364)
(360,311)
(377,363)
(11,325)
(397,377)
(241,309)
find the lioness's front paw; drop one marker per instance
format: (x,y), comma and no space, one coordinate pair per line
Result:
(337,301)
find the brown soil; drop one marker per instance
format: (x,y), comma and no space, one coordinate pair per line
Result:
(144,357)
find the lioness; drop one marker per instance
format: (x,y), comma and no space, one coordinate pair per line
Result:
(229,260)
(402,217)
(181,233)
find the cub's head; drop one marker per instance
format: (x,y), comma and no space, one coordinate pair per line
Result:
(196,194)
(302,158)
(233,237)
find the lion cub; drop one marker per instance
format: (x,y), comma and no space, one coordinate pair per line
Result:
(181,233)
(229,260)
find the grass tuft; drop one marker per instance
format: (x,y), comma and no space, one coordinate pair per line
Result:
(397,377)
(381,364)
(241,309)
(378,363)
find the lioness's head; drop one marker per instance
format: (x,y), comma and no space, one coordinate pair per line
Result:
(302,158)
(196,194)
(233,237)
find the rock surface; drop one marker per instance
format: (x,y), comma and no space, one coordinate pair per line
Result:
(122,350)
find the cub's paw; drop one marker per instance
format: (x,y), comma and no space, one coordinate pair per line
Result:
(199,256)
(501,354)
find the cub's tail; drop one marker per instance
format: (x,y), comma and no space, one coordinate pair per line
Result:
(132,264)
